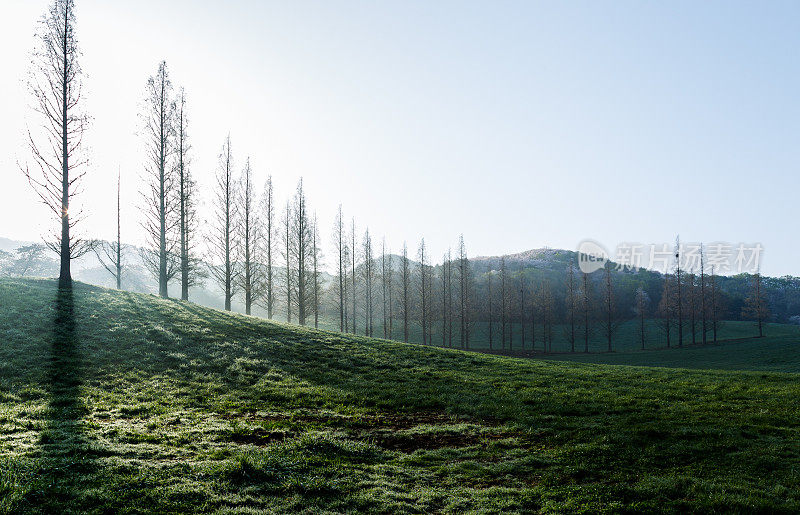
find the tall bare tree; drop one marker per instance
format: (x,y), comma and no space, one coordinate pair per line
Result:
(223,240)
(190,269)
(286,250)
(715,303)
(703,306)
(301,243)
(317,278)
(268,219)
(385,281)
(423,290)
(692,298)
(249,228)
(353,247)
(161,201)
(610,322)
(679,292)
(340,239)
(755,304)
(464,290)
(666,309)
(449,297)
(390,292)
(571,301)
(642,305)
(55,80)
(110,253)
(503,301)
(522,308)
(444,307)
(406,280)
(368,270)
(490,306)
(586,307)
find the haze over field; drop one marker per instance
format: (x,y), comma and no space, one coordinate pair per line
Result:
(544,123)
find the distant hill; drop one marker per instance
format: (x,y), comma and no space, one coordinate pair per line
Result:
(536,266)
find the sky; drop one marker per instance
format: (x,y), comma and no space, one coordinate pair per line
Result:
(519,124)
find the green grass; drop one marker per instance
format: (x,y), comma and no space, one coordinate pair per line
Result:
(777,351)
(626,338)
(114,401)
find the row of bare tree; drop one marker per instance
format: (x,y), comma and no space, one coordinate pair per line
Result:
(245,239)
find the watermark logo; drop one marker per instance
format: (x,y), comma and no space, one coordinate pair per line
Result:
(591,256)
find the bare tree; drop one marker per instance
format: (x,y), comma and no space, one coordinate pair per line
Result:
(547,315)
(406,279)
(249,227)
(571,301)
(223,240)
(679,293)
(368,270)
(316,257)
(353,246)
(190,269)
(464,288)
(611,321)
(385,280)
(692,297)
(449,297)
(522,308)
(715,304)
(666,308)
(423,290)
(301,243)
(703,306)
(161,201)
(443,290)
(286,236)
(110,253)
(503,302)
(755,304)
(55,80)
(340,239)
(268,214)
(586,295)
(490,302)
(642,305)
(390,292)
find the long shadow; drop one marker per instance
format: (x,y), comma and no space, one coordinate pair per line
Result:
(66,455)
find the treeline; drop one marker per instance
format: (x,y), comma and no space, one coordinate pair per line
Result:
(269,254)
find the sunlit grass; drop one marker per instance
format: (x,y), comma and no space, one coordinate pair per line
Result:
(153,405)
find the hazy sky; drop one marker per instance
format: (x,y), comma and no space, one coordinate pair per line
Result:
(521,124)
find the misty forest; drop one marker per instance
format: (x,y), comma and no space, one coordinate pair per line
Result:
(247,355)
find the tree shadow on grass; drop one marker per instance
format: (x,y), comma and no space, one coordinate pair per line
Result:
(66,455)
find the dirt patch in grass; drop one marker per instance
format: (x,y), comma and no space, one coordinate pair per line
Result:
(412,442)
(258,437)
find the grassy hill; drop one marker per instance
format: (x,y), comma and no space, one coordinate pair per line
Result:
(120,401)
(778,351)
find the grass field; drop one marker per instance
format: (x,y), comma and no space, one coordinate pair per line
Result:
(118,401)
(626,338)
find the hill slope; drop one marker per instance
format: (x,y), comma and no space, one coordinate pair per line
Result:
(120,401)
